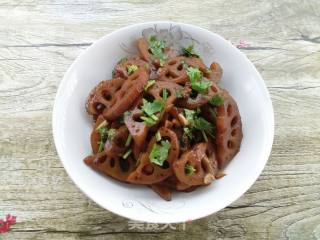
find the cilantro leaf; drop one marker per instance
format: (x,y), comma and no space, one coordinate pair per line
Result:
(159,153)
(196,122)
(189,169)
(105,134)
(188,51)
(187,132)
(149,84)
(132,68)
(156,47)
(149,108)
(197,83)
(216,100)
(201,124)
(178,93)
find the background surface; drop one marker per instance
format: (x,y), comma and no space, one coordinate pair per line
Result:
(40,39)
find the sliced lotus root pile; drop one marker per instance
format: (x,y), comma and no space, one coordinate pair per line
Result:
(202,158)
(157,91)
(100,97)
(200,99)
(125,97)
(150,173)
(121,69)
(228,130)
(115,167)
(115,147)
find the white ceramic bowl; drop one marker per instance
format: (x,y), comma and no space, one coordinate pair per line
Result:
(72,126)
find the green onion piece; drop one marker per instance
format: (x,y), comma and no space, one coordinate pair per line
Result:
(158,136)
(129,139)
(103,124)
(204,135)
(126,155)
(189,169)
(154,117)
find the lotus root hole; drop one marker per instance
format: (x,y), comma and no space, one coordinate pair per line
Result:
(230,144)
(180,67)
(229,110)
(107,95)
(165,165)
(112,162)
(99,107)
(233,133)
(148,169)
(149,97)
(136,118)
(234,121)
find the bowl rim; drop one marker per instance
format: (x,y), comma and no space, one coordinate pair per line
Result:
(254,71)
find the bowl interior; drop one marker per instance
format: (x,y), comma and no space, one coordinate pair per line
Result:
(72,127)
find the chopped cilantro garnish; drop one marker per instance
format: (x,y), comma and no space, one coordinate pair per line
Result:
(156,47)
(160,152)
(197,83)
(189,169)
(196,122)
(188,51)
(111,133)
(187,131)
(148,120)
(158,136)
(178,93)
(149,84)
(126,155)
(149,108)
(216,100)
(132,68)
(201,124)
(105,134)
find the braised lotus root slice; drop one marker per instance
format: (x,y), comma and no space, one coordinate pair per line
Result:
(228,130)
(100,97)
(115,167)
(173,183)
(143,47)
(115,147)
(158,88)
(163,191)
(121,69)
(95,136)
(150,173)
(193,102)
(129,92)
(175,69)
(138,130)
(202,158)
